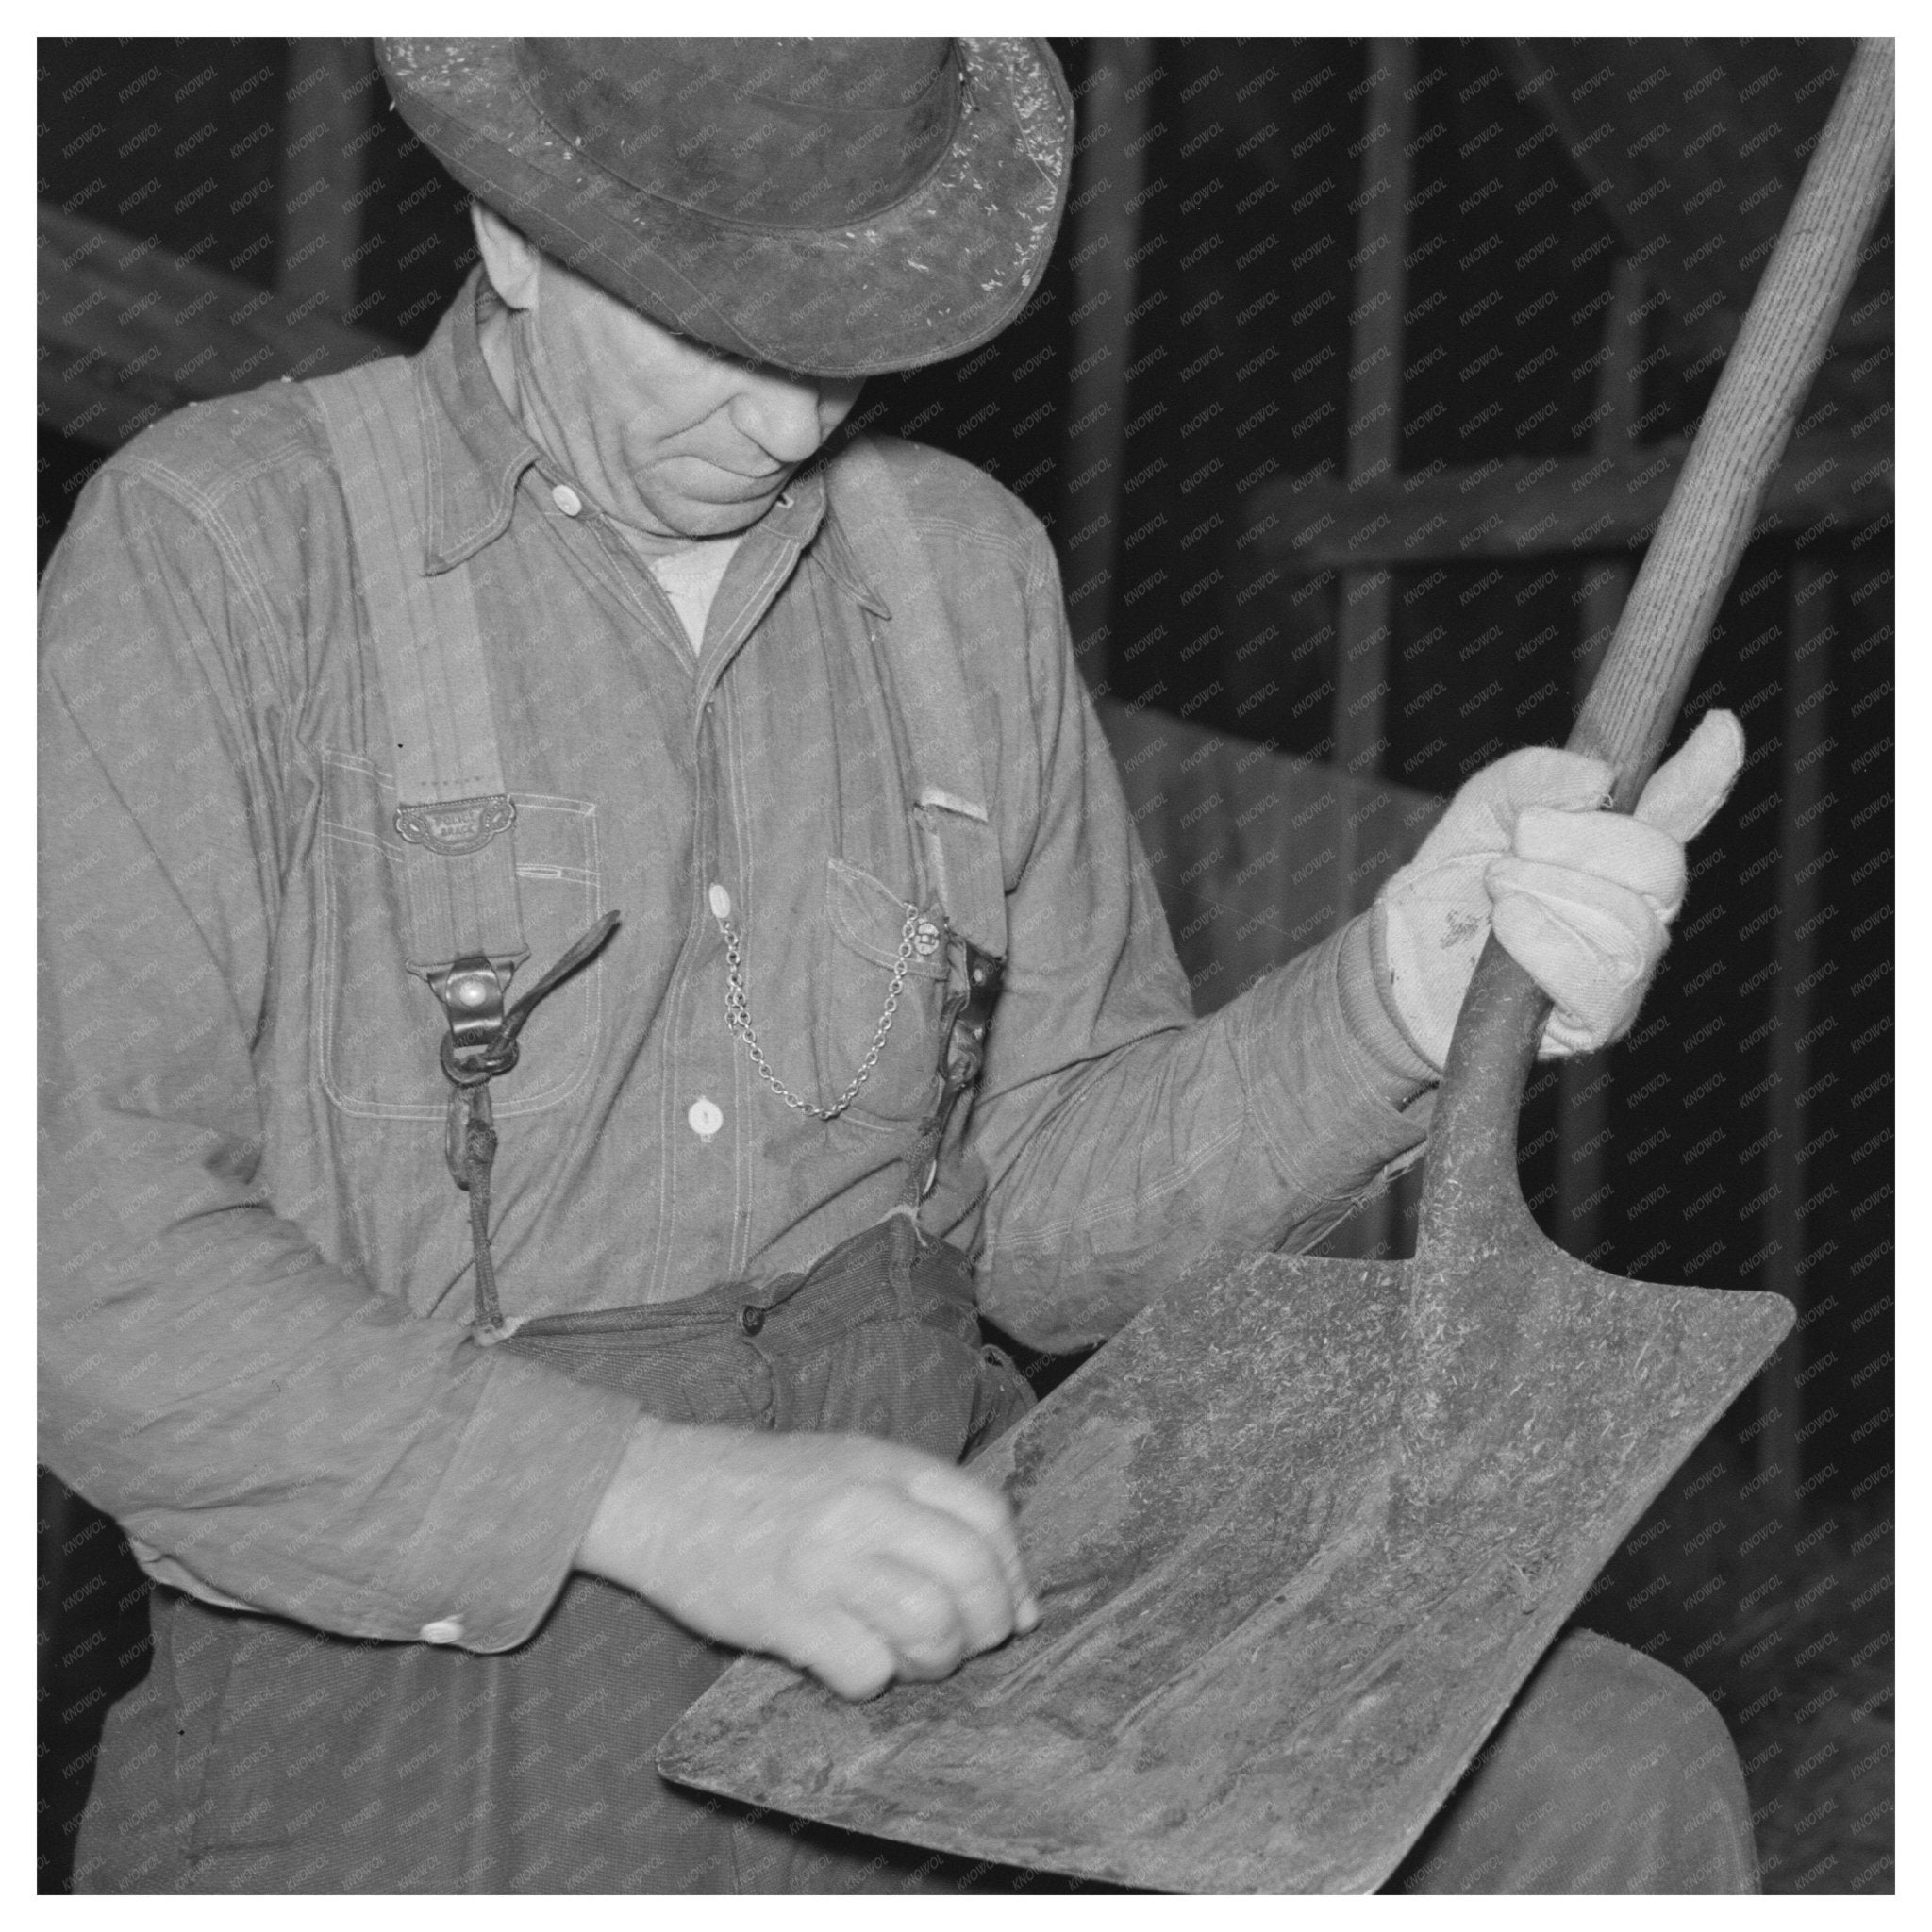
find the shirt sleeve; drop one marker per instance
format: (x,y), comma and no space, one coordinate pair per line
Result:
(270,1429)
(1122,1138)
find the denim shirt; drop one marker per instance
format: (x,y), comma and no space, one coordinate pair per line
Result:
(256,1268)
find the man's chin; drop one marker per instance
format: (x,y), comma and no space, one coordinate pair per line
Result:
(708,517)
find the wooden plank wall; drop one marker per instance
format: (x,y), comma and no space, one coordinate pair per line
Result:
(128,330)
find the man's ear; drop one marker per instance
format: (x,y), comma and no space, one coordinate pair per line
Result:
(509,259)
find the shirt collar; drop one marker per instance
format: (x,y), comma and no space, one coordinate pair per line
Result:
(841,560)
(479,452)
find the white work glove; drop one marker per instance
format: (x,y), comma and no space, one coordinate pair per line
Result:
(1582,898)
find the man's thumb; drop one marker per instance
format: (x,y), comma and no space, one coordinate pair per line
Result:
(1683,794)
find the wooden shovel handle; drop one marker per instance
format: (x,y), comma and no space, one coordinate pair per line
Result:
(1668,617)
(1721,491)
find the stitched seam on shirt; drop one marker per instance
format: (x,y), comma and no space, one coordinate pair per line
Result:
(776,570)
(205,511)
(742,1204)
(1012,548)
(1042,567)
(736,636)
(238,470)
(831,556)
(494,519)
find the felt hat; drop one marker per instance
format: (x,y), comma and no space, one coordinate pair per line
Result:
(831,207)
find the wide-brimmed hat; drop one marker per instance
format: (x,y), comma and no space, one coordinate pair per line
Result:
(832,207)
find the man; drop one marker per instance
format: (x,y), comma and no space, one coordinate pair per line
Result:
(457,1495)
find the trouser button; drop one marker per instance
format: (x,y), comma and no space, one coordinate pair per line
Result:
(751,1318)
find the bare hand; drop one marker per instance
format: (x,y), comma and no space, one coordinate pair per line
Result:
(857,1559)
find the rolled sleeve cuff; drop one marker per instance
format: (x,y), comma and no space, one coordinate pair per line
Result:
(502,1532)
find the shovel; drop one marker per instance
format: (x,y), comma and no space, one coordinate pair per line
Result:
(1301,1531)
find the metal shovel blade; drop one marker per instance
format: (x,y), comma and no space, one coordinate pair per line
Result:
(1288,1583)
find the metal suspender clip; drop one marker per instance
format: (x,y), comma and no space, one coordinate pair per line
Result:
(451,827)
(963,1025)
(481,1042)
(471,991)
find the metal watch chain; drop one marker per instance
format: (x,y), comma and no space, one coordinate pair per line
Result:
(737,1011)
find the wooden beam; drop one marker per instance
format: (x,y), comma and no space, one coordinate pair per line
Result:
(129,331)
(1802,858)
(1365,608)
(1753,117)
(1520,507)
(1374,398)
(325,132)
(1105,218)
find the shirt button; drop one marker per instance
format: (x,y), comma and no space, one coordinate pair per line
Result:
(566,499)
(705,1118)
(720,902)
(444,1630)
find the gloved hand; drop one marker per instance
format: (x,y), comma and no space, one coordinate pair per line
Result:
(1582,898)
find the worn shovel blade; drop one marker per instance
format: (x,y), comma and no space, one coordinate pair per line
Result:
(1290,1571)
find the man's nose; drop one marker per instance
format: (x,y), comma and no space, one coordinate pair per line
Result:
(780,413)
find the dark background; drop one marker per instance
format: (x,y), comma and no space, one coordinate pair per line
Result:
(1241,298)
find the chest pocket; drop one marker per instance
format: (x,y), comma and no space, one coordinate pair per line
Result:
(377,1026)
(866,922)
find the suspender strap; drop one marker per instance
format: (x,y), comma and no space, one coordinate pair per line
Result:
(463,928)
(453,809)
(950,815)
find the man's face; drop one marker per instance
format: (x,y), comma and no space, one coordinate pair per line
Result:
(672,438)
